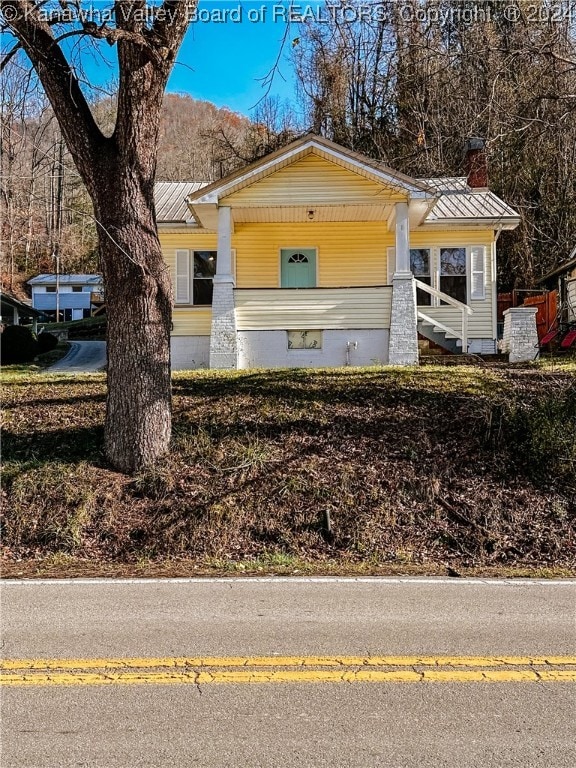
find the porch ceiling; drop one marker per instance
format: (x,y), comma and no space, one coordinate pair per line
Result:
(312,213)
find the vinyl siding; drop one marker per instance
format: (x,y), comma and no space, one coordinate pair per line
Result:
(314,180)
(481,322)
(571,295)
(313,308)
(348,253)
(187,321)
(171,241)
(191,321)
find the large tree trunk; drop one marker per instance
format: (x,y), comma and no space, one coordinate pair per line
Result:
(119,174)
(138,300)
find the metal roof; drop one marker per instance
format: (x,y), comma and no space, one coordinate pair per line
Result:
(170,198)
(23,308)
(477,205)
(66,279)
(456,200)
(448,184)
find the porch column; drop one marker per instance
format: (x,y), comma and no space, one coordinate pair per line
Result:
(223,341)
(403,344)
(520,340)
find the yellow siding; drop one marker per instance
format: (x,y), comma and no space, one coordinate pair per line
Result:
(429,237)
(174,239)
(191,321)
(187,321)
(348,253)
(314,180)
(309,308)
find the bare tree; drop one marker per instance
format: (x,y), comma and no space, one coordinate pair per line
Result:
(408,82)
(119,174)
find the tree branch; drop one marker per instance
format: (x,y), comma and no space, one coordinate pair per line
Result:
(82,134)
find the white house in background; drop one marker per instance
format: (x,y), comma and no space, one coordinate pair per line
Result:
(74,296)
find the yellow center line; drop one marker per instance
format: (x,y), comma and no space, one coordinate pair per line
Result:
(291,676)
(205,670)
(285,661)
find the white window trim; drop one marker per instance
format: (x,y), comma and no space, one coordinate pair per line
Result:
(435,276)
(471,273)
(189,278)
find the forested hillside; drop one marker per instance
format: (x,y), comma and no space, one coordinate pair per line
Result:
(409,82)
(44,206)
(404,83)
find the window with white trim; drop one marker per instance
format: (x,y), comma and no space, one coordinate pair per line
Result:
(195,272)
(420,268)
(452,273)
(459,271)
(462,272)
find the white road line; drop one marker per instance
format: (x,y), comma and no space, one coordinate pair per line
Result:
(384,580)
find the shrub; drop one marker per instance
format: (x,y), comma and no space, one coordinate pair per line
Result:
(18,345)
(46,342)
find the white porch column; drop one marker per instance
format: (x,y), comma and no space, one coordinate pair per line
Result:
(402,238)
(223,340)
(403,345)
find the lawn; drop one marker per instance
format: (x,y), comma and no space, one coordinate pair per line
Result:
(376,470)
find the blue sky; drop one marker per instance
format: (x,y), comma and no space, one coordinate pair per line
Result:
(224,61)
(229,59)
(227,53)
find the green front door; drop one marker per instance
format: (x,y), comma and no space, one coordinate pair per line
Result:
(298,267)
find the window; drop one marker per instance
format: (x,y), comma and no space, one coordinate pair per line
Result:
(453,273)
(420,268)
(195,272)
(76,289)
(304,339)
(50,289)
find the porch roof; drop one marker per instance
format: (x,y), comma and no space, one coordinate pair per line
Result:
(445,201)
(308,144)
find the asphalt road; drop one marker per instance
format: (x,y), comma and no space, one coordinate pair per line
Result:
(83,357)
(289,724)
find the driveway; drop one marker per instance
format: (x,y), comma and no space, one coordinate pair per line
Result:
(83,357)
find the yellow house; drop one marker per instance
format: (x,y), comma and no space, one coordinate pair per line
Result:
(316,255)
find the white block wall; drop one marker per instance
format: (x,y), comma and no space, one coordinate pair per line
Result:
(482,346)
(268,349)
(189,352)
(403,321)
(520,339)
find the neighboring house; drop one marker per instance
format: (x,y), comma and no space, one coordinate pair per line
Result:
(74,296)
(316,255)
(14,311)
(563,278)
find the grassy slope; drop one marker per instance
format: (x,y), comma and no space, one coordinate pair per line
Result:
(411,470)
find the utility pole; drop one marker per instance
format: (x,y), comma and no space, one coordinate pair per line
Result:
(56,256)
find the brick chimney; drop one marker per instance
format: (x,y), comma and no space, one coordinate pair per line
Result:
(476,164)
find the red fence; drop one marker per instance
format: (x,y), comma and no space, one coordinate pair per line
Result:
(546,304)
